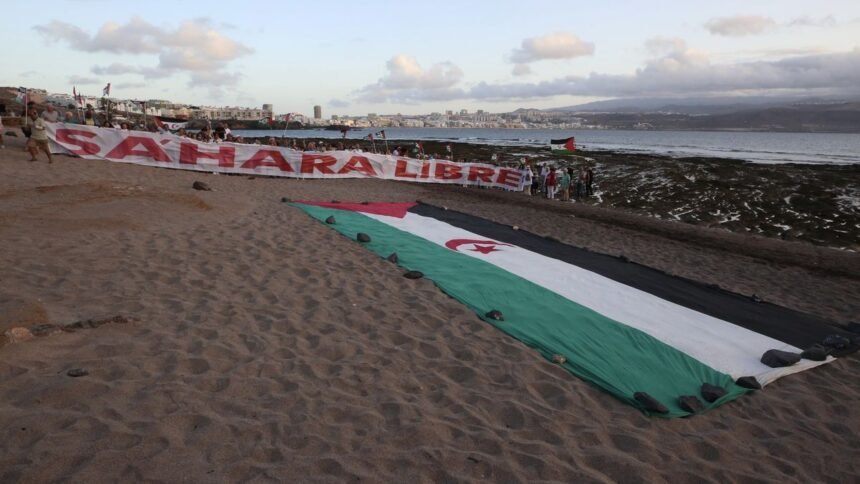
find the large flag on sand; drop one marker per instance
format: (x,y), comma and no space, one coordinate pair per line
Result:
(667,345)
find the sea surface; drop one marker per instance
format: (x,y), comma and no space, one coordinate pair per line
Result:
(774,148)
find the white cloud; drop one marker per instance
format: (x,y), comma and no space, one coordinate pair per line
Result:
(560,45)
(79,80)
(130,85)
(118,69)
(691,72)
(406,81)
(665,45)
(195,46)
(338,103)
(521,70)
(740,25)
(682,71)
(806,21)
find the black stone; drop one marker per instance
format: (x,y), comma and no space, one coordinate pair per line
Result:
(392,258)
(836,341)
(712,393)
(362,237)
(365,203)
(76,372)
(853,327)
(691,404)
(495,314)
(623,258)
(854,345)
(649,403)
(330,220)
(252,178)
(335,201)
(413,275)
(198,185)
(285,200)
(816,352)
(757,299)
(42,329)
(779,359)
(748,382)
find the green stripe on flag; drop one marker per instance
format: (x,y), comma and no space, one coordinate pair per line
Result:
(615,357)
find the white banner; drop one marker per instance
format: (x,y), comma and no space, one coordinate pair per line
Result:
(171,151)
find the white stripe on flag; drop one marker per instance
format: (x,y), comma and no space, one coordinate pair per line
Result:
(723,346)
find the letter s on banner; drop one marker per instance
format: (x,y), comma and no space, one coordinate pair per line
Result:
(67,136)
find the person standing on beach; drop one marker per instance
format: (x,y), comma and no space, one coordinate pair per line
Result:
(551,184)
(89,116)
(528,179)
(544,171)
(580,185)
(39,137)
(564,185)
(2,145)
(589,179)
(50,114)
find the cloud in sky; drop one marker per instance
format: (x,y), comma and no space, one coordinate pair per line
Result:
(521,70)
(338,103)
(664,45)
(83,81)
(130,85)
(406,81)
(680,71)
(690,72)
(740,25)
(559,45)
(806,21)
(195,46)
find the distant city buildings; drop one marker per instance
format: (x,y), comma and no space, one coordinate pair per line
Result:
(521,118)
(237,113)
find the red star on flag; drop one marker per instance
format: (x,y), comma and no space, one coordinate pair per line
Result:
(484,249)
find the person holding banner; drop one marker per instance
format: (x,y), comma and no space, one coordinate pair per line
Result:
(38,137)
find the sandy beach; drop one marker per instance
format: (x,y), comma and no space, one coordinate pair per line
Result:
(259,345)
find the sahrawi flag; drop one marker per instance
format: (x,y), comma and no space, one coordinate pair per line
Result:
(563,146)
(667,345)
(170,124)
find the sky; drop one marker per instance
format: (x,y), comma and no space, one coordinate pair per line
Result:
(387,57)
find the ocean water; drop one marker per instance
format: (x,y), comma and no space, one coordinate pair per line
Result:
(827,148)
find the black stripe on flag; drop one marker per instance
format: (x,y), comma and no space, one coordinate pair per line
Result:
(786,325)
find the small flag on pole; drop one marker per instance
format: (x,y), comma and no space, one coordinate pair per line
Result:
(106,90)
(21,96)
(170,124)
(563,146)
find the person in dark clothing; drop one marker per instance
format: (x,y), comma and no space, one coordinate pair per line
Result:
(589,180)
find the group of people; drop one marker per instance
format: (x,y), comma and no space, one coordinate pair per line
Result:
(565,183)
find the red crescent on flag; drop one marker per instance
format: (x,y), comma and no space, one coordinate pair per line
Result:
(482,246)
